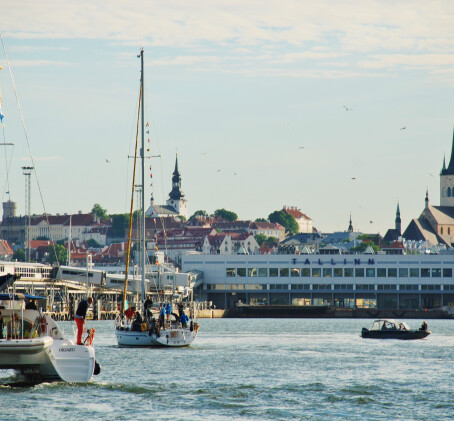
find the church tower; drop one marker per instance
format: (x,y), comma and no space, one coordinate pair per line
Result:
(398,221)
(350,225)
(447,181)
(176,196)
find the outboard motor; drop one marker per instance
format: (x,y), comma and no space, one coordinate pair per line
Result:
(97,368)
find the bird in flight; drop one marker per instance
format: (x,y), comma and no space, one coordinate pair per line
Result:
(107,161)
(204,153)
(355,178)
(346,108)
(300,147)
(218,171)
(371,222)
(403,128)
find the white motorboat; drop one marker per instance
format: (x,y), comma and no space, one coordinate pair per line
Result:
(33,345)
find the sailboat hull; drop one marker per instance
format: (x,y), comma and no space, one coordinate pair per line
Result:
(167,338)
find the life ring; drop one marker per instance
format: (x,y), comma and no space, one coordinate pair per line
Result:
(144,327)
(43,324)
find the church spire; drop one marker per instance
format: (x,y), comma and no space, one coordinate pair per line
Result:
(427,199)
(350,225)
(176,193)
(450,169)
(398,221)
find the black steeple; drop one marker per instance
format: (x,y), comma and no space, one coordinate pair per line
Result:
(350,225)
(398,221)
(450,169)
(176,193)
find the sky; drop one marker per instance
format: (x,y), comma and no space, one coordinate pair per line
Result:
(336,108)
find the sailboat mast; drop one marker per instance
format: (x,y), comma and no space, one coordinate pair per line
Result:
(144,250)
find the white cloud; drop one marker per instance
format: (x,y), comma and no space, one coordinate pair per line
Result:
(215,32)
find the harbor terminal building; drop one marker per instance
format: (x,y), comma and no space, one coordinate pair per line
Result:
(381,281)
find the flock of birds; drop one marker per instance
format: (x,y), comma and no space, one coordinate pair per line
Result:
(299,147)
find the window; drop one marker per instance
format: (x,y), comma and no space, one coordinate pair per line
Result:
(230,272)
(414,273)
(278,286)
(294,272)
(252,272)
(348,272)
(263,272)
(305,272)
(338,272)
(322,287)
(215,286)
(449,192)
(441,230)
(316,272)
(425,273)
(359,272)
(403,273)
(273,272)
(241,272)
(381,273)
(447,273)
(370,273)
(327,272)
(436,273)
(256,286)
(392,272)
(283,272)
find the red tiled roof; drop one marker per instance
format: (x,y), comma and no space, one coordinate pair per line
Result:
(297,214)
(5,248)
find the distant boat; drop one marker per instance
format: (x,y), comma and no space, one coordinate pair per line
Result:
(393,329)
(150,327)
(36,348)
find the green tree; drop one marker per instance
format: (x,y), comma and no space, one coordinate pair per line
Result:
(120,223)
(260,238)
(199,213)
(261,220)
(56,251)
(225,214)
(99,211)
(19,255)
(286,220)
(93,243)
(363,246)
(42,238)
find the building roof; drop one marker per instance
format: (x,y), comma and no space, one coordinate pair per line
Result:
(391,235)
(296,213)
(420,230)
(5,248)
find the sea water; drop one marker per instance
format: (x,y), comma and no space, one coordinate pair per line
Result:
(314,369)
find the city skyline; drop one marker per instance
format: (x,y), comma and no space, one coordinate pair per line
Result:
(335,109)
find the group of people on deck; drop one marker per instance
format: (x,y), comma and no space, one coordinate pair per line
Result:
(136,320)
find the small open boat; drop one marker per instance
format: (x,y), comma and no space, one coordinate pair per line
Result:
(393,329)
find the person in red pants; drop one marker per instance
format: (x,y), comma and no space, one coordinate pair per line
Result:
(81,312)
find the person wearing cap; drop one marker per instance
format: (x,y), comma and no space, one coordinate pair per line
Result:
(81,312)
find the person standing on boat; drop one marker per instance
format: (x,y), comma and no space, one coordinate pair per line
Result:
(162,315)
(184,319)
(81,312)
(147,306)
(168,311)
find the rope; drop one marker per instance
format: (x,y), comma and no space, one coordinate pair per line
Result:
(29,148)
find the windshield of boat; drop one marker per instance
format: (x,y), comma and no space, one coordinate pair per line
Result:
(389,325)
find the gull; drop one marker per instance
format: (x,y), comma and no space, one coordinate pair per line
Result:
(107,161)
(346,108)
(204,153)
(403,128)
(218,171)
(355,178)
(300,147)
(371,222)
(431,174)
(234,173)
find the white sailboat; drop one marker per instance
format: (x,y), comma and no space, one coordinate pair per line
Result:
(151,329)
(36,348)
